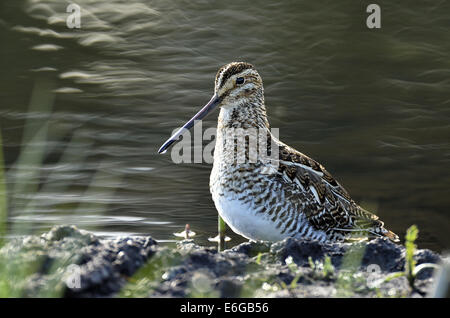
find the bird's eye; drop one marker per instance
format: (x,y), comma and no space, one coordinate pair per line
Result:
(240,80)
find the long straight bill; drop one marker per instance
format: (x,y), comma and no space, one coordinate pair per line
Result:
(199,116)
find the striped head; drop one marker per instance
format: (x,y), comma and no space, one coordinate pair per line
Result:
(238,83)
(239,93)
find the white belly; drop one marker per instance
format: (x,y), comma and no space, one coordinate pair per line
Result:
(242,219)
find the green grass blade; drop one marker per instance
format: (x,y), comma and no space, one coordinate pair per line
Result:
(3,195)
(411,236)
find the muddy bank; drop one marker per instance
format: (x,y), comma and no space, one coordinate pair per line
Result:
(68,262)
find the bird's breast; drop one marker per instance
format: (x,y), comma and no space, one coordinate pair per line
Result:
(253,203)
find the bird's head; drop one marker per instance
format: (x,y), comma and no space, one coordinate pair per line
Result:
(238,86)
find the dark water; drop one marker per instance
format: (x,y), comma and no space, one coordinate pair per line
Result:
(83,111)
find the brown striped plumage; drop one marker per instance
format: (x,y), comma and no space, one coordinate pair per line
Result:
(298,195)
(290,196)
(332,210)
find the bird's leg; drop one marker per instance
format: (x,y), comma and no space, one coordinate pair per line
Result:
(222,227)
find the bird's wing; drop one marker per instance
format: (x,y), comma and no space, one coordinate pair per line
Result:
(332,210)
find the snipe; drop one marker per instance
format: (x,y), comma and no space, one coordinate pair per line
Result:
(266,200)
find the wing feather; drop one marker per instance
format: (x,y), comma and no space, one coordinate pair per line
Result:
(330,208)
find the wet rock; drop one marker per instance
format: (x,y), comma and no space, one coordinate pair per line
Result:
(423,257)
(251,248)
(385,254)
(229,287)
(301,250)
(70,262)
(59,233)
(111,261)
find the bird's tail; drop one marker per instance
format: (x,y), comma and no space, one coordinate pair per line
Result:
(370,223)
